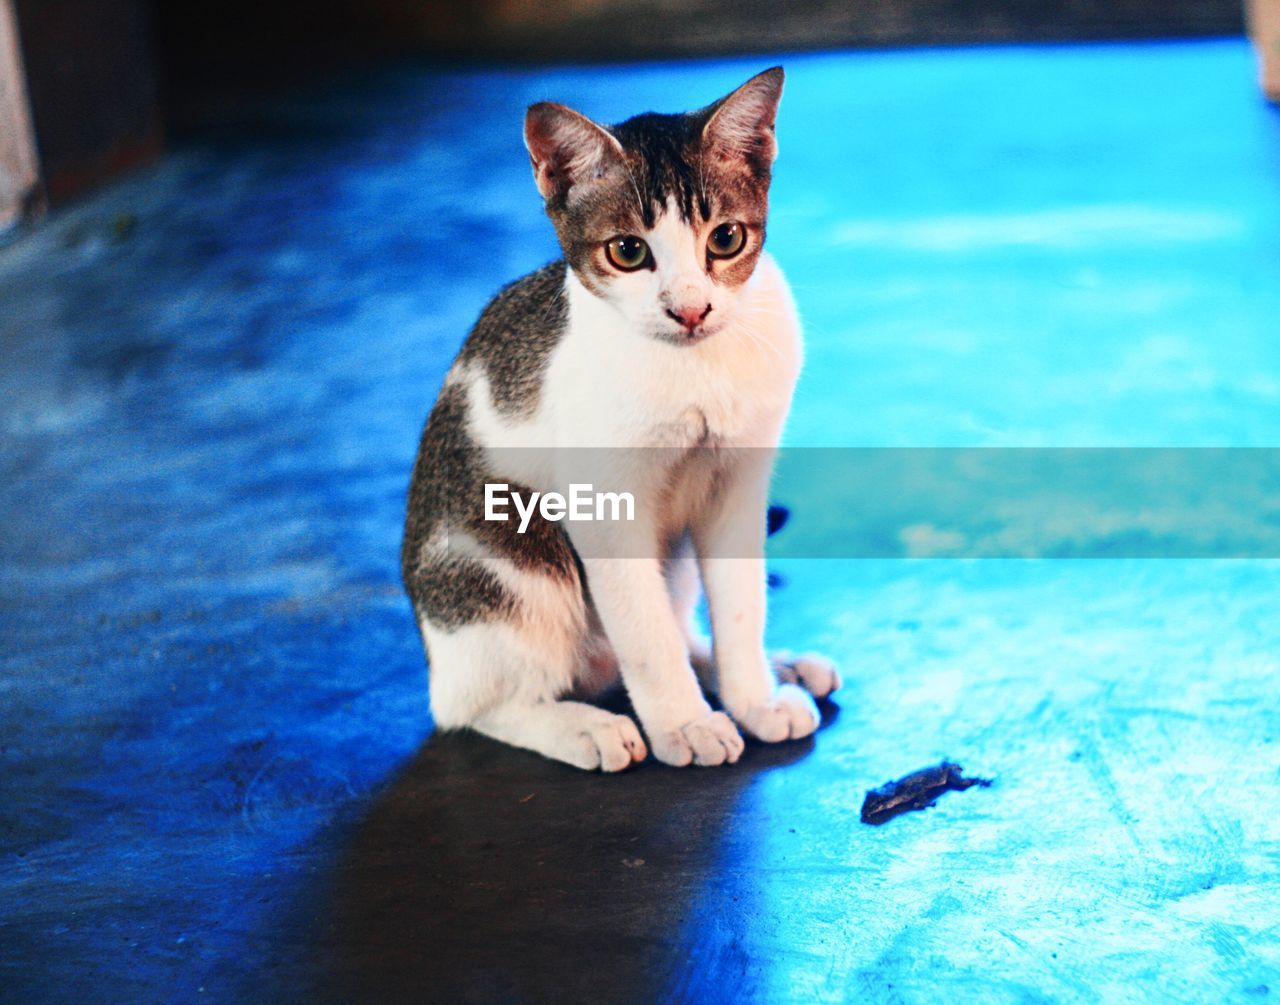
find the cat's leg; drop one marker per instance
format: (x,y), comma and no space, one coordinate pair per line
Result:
(730,544)
(505,683)
(684,587)
(502,663)
(630,595)
(811,671)
(623,562)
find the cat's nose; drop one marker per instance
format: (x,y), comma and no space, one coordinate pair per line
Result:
(690,317)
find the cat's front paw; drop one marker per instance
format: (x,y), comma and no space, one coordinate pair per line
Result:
(789,714)
(707,740)
(815,673)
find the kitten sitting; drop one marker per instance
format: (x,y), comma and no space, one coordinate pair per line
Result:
(667,343)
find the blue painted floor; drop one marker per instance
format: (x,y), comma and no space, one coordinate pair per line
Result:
(218,779)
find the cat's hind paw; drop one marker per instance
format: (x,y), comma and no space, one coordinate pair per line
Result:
(707,740)
(815,673)
(609,743)
(789,715)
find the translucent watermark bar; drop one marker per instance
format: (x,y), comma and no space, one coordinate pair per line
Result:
(880,503)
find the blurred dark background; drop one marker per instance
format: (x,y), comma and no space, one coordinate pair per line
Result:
(246,40)
(107,81)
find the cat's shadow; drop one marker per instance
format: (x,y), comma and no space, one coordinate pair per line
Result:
(488,874)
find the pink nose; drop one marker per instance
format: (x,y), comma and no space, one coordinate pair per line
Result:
(690,317)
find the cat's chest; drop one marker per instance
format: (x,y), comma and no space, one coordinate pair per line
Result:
(610,386)
(652,396)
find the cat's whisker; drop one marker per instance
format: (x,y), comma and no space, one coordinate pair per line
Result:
(756,338)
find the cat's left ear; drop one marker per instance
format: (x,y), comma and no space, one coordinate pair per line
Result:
(740,125)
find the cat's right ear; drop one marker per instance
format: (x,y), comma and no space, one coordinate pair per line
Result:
(566,149)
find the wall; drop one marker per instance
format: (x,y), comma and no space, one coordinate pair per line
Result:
(93,88)
(19,171)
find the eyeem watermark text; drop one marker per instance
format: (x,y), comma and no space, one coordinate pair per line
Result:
(582,503)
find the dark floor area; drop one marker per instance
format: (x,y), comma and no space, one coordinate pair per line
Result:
(218,776)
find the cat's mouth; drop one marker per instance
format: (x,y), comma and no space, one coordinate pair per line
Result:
(688,336)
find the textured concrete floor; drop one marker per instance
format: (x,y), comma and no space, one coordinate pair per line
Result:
(218,780)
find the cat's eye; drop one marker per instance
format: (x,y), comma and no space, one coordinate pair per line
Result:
(727,240)
(627,252)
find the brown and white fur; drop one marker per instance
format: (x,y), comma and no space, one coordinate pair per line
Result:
(681,371)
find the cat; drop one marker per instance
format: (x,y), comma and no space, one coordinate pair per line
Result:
(667,336)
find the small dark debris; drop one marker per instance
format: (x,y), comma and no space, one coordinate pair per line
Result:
(776,580)
(777,519)
(916,791)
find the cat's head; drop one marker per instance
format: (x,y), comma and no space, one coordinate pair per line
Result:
(662,216)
